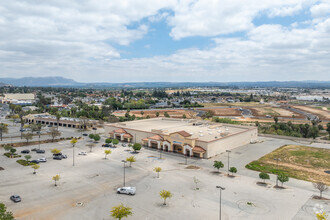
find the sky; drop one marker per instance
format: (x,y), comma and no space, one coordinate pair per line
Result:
(166,40)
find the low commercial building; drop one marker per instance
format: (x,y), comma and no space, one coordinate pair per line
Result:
(48,119)
(18,98)
(201,139)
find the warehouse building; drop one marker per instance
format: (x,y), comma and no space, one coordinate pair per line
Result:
(190,137)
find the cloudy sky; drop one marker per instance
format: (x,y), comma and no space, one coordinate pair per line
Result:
(166,40)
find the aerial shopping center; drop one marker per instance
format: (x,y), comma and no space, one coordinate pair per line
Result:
(191,137)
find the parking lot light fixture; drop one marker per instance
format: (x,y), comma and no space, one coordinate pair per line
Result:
(277,159)
(124,161)
(228,151)
(221,188)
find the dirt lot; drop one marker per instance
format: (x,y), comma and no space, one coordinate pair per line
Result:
(224,111)
(323,114)
(300,162)
(281,112)
(175,113)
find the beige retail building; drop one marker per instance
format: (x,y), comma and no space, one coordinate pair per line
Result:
(203,139)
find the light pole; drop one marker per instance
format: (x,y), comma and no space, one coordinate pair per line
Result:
(160,154)
(228,151)
(186,157)
(39,140)
(221,188)
(277,159)
(124,161)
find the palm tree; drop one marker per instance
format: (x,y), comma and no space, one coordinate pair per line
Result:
(56,178)
(58,117)
(131,160)
(106,152)
(157,170)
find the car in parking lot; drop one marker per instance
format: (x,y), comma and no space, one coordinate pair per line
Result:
(25,151)
(57,157)
(94,129)
(85,134)
(34,149)
(40,151)
(64,156)
(106,145)
(127,190)
(124,145)
(22,130)
(15,198)
(34,161)
(42,160)
(82,153)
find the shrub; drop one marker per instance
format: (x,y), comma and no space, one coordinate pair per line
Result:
(13,156)
(24,162)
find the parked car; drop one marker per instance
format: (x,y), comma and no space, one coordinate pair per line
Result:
(124,145)
(40,151)
(94,129)
(34,161)
(22,130)
(34,149)
(42,160)
(64,156)
(106,145)
(127,190)
(82,153)
(50,126)
(15,198)
(85,134)
(59,154)
(58,157)
(25,151)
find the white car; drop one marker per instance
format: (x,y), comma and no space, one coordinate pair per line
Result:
(82,153)
(42,160)
(127,190)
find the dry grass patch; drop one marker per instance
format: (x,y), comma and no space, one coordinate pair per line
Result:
(300,162)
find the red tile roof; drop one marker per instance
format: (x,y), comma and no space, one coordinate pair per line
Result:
(199,149)
(127,135)
(156,137)
(120,131)
(183,133)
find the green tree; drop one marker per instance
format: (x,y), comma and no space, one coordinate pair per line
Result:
(328,129)
(91,136)
(166,115)
(106,152)
(55,151)
(58,117)
(3,129)
(27,157)
(314,131)
(35,167)
(4,214)
(136,147)
(115,141)
(264,176)
(218,165)
(27,137)
(12,151)
(165,195)
(233,170)
(121,211)
(56,178)
(7,147)
(184,116)
(54,133)
(108,140)
(96,137)
(282,177)
(131,160)
(157,114)
(157,170)
(142,113)
(276,119)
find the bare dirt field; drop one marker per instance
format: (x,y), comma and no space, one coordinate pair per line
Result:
(175,113)
(300,162)
(273,111)
(224,111)
(323,114)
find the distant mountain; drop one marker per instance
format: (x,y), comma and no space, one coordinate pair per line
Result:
(40,81)
(64,82)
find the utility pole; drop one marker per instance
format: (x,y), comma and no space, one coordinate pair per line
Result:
(221,188)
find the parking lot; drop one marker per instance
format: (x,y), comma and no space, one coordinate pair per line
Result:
(88,190)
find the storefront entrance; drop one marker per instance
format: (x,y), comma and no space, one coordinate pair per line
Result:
(177,148)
